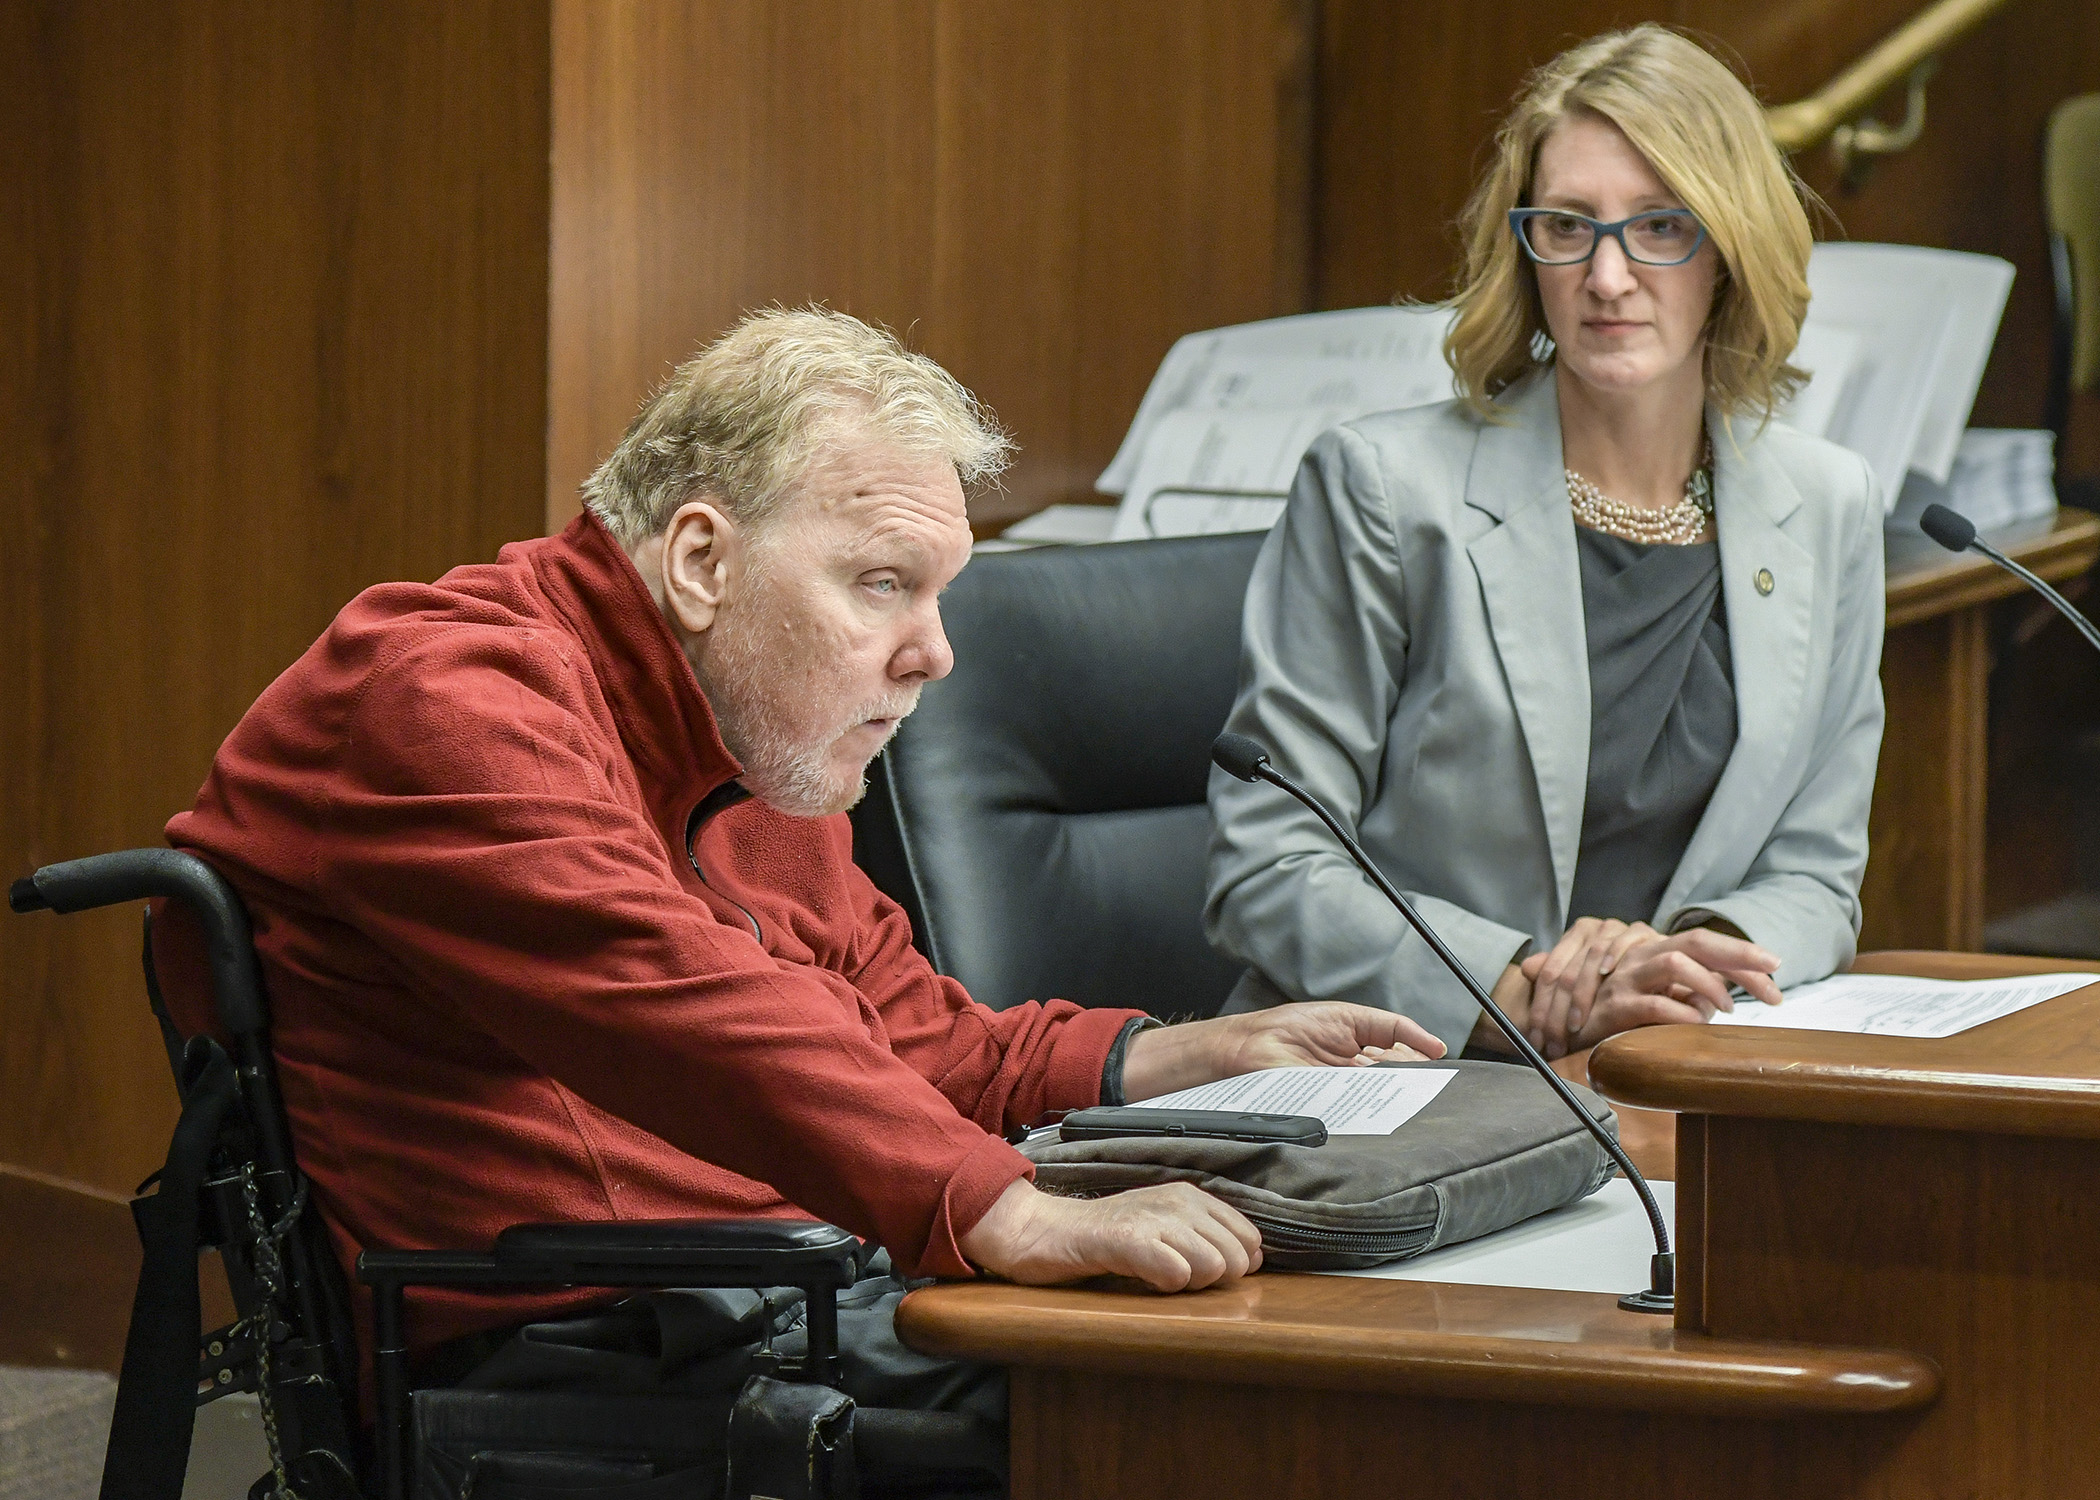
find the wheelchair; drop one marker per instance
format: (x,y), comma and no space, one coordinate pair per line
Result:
(232,1183)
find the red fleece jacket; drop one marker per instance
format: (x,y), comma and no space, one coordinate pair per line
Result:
(503,991)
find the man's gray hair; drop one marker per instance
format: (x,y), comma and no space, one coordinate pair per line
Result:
(737,423)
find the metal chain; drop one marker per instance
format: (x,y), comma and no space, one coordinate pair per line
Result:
(269,1275)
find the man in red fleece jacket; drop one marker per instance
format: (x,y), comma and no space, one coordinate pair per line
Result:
(556,904)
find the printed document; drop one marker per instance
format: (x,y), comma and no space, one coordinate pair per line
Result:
(1925,320)
(1897,1005)
(1829,355)
(1229,455)
(1357,360)
(1348,1101)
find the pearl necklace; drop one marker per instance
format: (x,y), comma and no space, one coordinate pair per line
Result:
(1680,525)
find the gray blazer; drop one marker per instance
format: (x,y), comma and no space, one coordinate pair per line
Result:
(1414,654)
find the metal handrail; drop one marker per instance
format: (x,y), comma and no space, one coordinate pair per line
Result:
(1905,54)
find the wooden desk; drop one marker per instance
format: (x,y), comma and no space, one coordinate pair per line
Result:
(1889,1286)
(1924,885)
(1307,1387)
(1941,1197)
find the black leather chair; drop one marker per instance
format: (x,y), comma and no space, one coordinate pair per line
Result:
(1042,816)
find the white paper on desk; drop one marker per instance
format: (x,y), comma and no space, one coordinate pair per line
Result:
(1227,454)
(1926,319)
(1348,1101)
(1203,513)
(1365,358)
(1897,1005)
(1598,1244)
(1898,309)
(1830,356)
(1977,288)
(1257,383)
(1059,525)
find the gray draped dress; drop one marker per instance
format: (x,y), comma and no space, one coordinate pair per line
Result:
(1662,715)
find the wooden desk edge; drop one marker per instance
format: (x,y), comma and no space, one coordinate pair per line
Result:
(1832,1078)
(1647,1367)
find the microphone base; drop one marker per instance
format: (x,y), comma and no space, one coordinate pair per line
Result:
(1650,1301)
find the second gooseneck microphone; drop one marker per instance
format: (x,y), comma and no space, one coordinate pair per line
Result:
(1237,755)
(1957,533)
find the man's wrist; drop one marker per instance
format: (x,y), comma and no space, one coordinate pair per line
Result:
(992,1242)
(1166,1059)
(1115,1067)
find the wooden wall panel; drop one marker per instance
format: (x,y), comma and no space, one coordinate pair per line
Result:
(1041,197)
(277,312)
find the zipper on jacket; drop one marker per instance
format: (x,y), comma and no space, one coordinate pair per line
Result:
(721,799)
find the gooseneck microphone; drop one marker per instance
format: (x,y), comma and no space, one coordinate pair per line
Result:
(1237,755)
(1957,533)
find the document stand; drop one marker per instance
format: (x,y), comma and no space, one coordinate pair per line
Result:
(1889,1285)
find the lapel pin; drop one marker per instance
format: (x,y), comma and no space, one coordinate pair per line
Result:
(1764,580)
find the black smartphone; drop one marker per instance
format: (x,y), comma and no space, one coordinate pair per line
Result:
(1106,1122)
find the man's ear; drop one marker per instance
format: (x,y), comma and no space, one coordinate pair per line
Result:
(702,550)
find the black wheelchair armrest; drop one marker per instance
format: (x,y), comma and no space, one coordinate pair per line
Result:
(636,1252)
(699,1252)
(821,1259)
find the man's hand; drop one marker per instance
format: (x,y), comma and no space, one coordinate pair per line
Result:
(1617,976)
(1174,1238)
(1318,1033)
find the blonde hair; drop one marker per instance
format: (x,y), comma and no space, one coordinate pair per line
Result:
(739,421)
(1706,137)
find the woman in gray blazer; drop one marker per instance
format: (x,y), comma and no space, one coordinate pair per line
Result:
(1589,658)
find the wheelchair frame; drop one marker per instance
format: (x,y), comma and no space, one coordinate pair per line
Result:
(254,1207)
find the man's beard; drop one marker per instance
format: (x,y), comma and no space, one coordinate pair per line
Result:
(786,765)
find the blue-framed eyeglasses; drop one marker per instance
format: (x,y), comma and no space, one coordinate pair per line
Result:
(1556,237)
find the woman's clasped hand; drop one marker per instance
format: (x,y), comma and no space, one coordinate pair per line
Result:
(1605,976)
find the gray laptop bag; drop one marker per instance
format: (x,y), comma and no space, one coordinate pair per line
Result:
(1495,1147)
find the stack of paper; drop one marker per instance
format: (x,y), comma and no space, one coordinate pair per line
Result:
(1054,526)
(1599,1244)
(2001,476)
(1212,470)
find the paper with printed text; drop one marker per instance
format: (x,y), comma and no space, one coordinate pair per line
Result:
(1896,1005)
(1348,1101)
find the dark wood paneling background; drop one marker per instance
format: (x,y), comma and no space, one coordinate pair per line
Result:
(1043,197)
(296,298)
(274,329)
